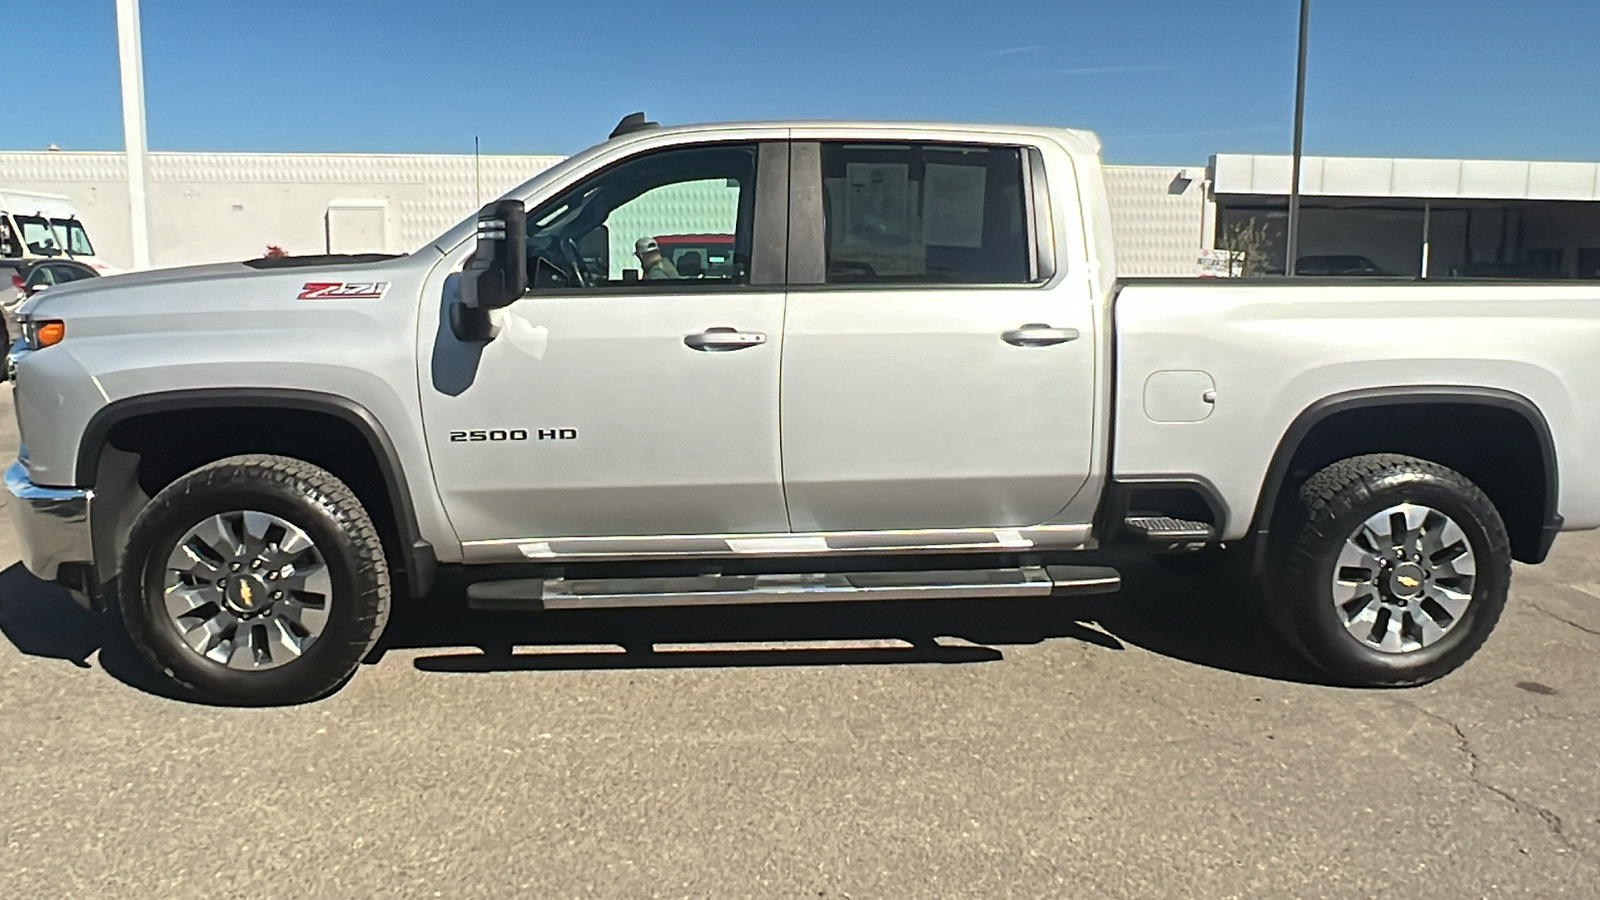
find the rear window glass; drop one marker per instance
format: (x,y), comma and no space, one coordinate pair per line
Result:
(924,214)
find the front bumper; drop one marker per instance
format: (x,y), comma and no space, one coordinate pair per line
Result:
(52,524)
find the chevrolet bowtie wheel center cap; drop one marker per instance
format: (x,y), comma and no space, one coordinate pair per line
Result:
(248,595)
(1406,581)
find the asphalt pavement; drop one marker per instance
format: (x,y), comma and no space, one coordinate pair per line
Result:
(1158,743)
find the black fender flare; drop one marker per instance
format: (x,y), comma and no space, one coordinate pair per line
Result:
(421,562)
(1311,416)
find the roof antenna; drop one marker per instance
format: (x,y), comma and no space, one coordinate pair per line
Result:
(633,122)
(477,170)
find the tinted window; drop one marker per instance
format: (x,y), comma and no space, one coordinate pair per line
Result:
(924,213)
(65,274)
(668,220)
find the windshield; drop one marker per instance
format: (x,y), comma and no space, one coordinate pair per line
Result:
(37,237)
(70,234)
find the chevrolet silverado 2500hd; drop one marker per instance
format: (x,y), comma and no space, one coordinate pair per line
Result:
(916,350)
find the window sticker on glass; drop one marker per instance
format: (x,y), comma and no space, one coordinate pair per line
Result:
(877,203)
(954,213)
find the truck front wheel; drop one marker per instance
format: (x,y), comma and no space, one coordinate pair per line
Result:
(254,581)
(1394,573)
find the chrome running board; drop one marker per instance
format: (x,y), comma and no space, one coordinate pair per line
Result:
(712,590)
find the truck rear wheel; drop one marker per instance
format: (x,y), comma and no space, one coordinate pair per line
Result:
(1395,572)
(255,581)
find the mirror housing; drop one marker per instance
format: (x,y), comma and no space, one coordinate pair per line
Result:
(595,248)
(497,274)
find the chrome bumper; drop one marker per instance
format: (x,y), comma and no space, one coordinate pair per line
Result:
(52,524)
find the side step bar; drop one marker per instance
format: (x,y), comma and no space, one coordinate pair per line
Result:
(1167,530)
(710,590)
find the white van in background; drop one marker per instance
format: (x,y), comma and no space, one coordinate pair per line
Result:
(45,225)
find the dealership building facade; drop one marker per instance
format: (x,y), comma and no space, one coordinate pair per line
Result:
(1419,217)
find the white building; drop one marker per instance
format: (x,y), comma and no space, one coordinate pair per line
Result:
(208,207)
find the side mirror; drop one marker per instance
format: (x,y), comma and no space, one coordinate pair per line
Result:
(34,288)
(595,248)
(497,274)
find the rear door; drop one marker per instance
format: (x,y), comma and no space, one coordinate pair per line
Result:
(938,372)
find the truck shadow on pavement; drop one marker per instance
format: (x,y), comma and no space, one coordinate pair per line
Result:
(41,619)
(1182,612)
(1192,616)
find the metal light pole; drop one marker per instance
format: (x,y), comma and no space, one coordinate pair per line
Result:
(131,58)
(1299,127)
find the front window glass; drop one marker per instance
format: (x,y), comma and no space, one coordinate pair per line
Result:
(924,214)
(668,220)
(37,236)
(70,234)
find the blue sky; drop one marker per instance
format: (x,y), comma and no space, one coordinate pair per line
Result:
(1162,82)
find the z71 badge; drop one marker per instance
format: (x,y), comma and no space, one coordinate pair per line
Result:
(343,290)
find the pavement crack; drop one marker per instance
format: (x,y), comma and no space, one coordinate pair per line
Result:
(1564,620)
(1552,821)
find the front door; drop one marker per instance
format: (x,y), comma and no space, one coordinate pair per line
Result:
(634,390)
(933,376)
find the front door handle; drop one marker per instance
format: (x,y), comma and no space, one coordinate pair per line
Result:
(721,340)
(1037,334)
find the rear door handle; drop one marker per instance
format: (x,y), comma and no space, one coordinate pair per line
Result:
(721,340)
(1037,334)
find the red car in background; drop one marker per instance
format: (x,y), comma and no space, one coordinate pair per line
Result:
(699,255)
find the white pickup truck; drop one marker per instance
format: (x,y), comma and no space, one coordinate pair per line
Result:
(759,363)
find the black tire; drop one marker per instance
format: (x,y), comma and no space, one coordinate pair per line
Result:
(1330,506)
(298,492)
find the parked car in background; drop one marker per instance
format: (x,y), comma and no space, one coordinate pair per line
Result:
(1337,265)
(22,278)
(699,255)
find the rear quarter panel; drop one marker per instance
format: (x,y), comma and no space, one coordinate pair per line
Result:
(1275,349)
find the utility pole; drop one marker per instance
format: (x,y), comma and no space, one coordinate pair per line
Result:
(130,55)
(1299,128)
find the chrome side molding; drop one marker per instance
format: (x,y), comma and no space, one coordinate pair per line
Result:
(834,543)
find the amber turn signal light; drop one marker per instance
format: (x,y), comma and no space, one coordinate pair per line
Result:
(50,333)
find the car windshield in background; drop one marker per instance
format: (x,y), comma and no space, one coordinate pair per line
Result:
(1336,265)
(38,238)
(70,234)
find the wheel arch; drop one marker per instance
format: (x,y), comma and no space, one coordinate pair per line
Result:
(1314,434)
(98,460)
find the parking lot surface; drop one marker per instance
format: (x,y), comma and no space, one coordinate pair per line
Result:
(1156,743)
